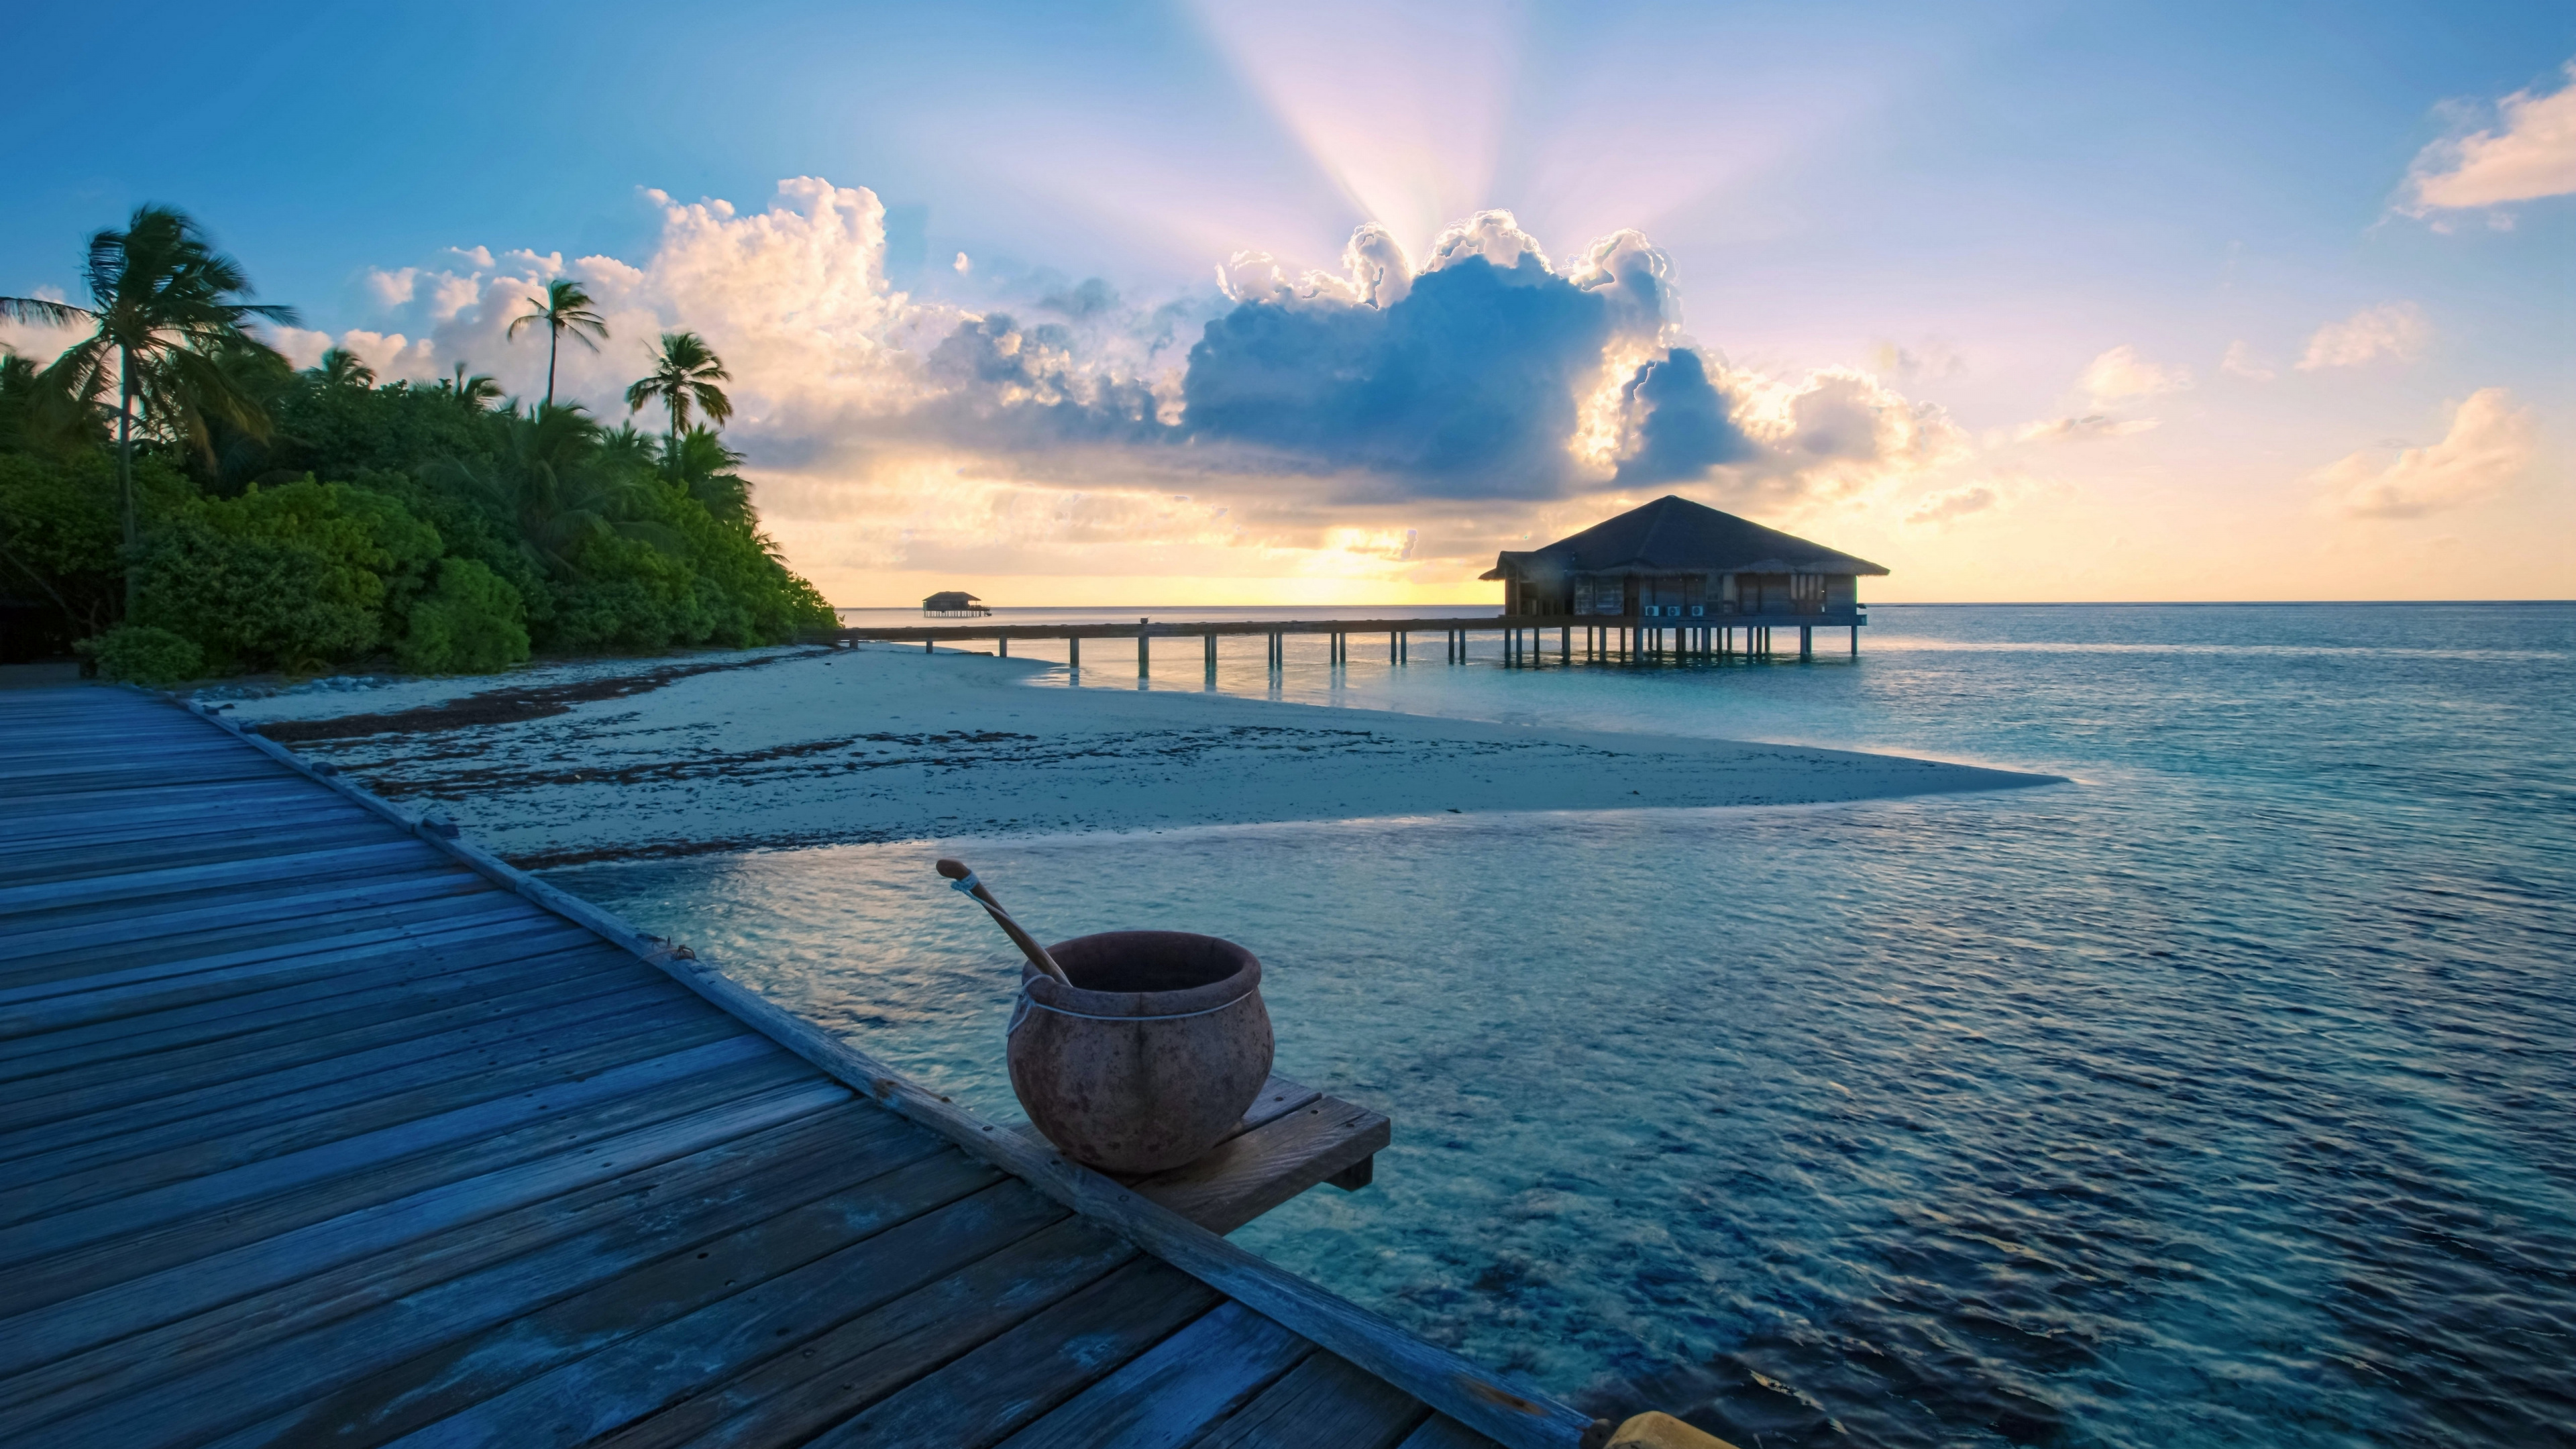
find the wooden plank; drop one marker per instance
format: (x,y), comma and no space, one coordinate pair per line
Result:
(63,1119)
(1324,1400)
(144,884)
(570,981)
(35,747)
(245,899)
(985,1395)
(1440,1433)
(247,842)
(233,1299)
(132,824)
(1249,1174)
(500,930)
(807,1388)
(155,1231)
(634,1207)
(29,842)
(419,983)
(222,1385)
(143,937)
(1279,1097)
(1190,1380)
(212,799)
(446,920)
(159,1155)
(634,1366)
(437,899)
(32,790)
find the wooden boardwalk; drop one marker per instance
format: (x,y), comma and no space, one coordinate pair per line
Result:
(324,1129)
(1604,638)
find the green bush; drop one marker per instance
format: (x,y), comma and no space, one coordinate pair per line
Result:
(302,577)
(141,654)
(473,623)
(254,602)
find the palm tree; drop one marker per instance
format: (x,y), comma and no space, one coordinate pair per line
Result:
(685,374)
(163,302)
(476,392)
(561,479)
(704,468)
(564,308)
(340,367)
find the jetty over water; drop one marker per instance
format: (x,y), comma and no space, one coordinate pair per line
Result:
(1519,640)
(327,1126)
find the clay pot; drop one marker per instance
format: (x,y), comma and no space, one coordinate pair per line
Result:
(1151,1055)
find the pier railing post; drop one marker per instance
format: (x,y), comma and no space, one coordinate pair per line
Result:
(1144,656)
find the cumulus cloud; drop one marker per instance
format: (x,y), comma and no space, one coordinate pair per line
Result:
(394,288)
(1679,423)
(2088,428)
(2121,373)
(1003,407)
(2394,330)
(2530,153)
(2490,446)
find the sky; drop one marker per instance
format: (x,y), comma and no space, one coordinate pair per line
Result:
(1209,302)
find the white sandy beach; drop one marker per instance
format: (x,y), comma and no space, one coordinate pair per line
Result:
(808,746)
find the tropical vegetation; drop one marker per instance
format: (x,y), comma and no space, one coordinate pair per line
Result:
(178,501)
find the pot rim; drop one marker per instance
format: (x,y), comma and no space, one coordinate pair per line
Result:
(1046,991)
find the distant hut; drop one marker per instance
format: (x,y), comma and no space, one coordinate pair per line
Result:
(953,604)
(1675,559)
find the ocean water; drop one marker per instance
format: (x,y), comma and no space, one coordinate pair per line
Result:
(2219,1096)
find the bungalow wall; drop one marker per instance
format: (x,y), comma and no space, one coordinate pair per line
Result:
(1688,596)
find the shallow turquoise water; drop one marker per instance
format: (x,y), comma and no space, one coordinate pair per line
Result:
(2221,1096)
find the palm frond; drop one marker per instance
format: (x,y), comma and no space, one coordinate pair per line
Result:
(43,313)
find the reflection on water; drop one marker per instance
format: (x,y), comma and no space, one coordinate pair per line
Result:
(2220,1097)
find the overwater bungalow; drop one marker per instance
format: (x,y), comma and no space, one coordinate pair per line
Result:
(1675,559)
(953,604)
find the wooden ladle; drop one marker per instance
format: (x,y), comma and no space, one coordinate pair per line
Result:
(964,877)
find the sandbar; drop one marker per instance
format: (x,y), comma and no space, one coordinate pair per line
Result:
(791,747)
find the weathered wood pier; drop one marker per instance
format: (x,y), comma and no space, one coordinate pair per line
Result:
(1519,640)
(326,1126)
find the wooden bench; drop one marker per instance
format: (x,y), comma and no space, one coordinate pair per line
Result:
(1292,1138)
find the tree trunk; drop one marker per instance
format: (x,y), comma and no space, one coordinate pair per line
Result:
(554,338)
(125,464)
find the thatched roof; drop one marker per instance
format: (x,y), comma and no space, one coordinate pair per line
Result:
(1673,535)
(953,599)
